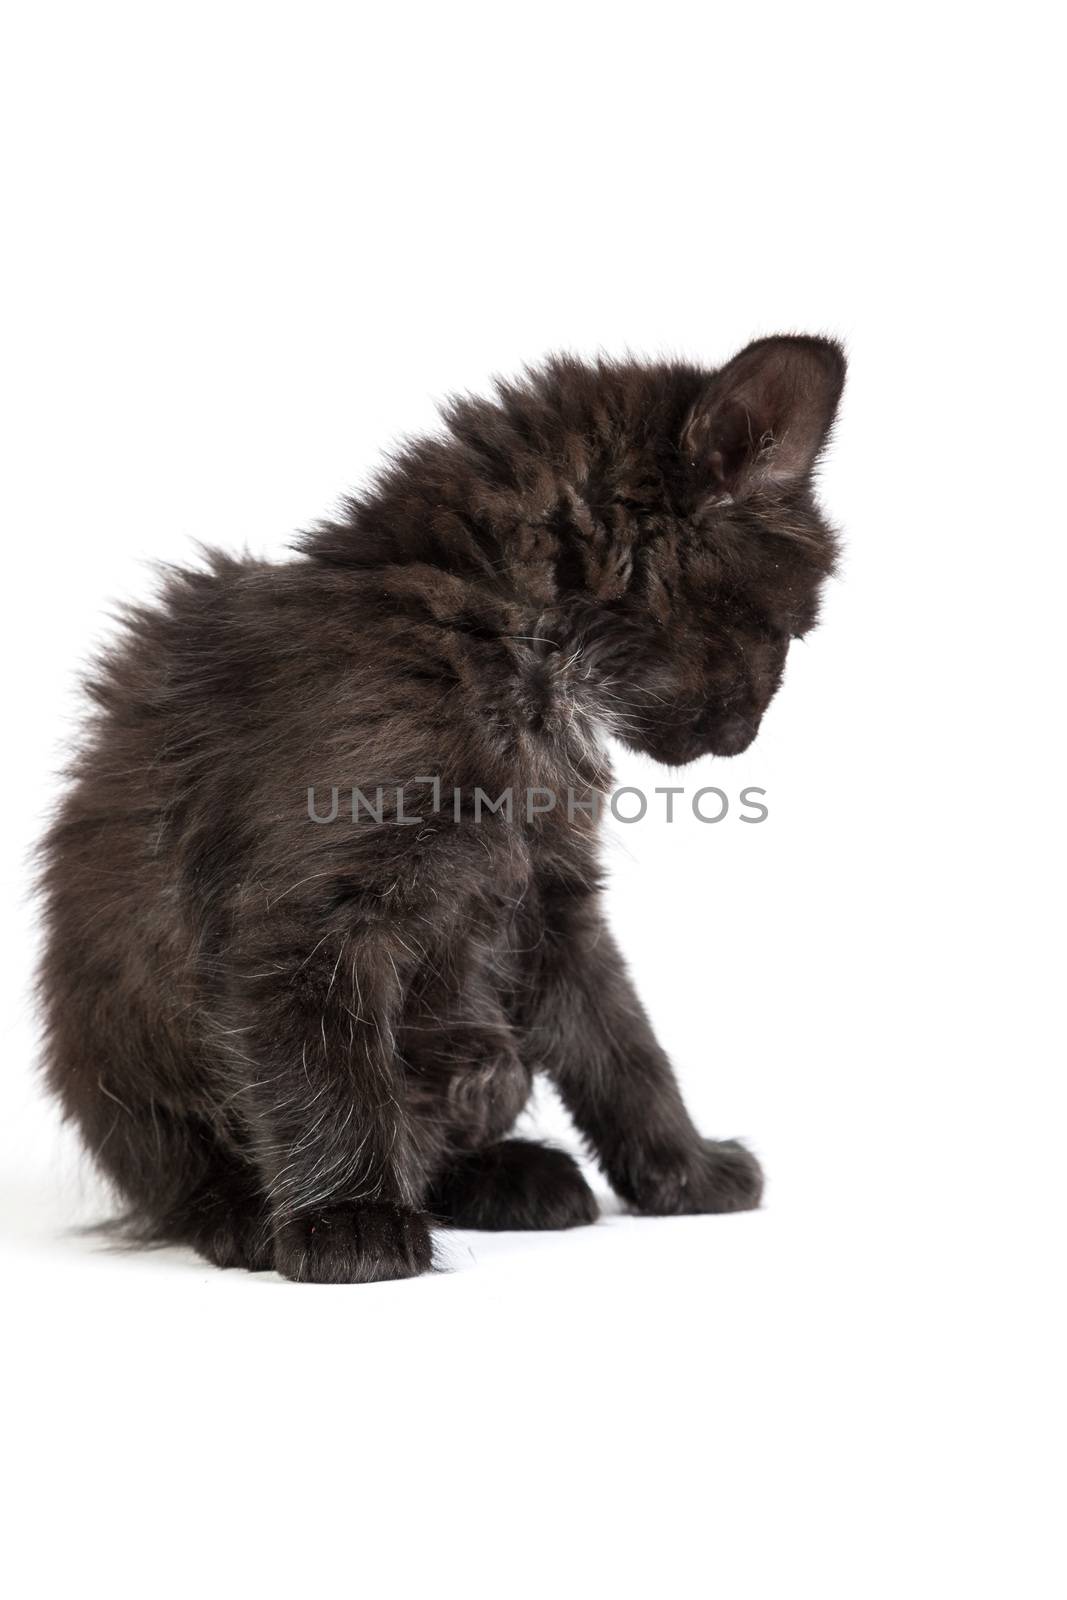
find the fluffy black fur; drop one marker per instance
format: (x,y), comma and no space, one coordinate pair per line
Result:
(298,1046)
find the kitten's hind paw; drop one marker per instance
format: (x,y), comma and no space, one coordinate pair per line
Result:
(354,1244)
(237,1238)
(224,1224)
(514,1185)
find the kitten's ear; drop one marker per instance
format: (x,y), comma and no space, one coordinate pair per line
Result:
(765,416)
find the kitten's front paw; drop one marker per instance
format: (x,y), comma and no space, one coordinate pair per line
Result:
(730,1178)
(723,1176)
(354,1244)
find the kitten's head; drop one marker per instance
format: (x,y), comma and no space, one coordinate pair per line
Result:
(704,551)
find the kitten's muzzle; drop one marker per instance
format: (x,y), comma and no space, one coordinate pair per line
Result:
(732,735)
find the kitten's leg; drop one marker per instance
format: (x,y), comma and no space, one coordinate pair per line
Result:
(588,1030)
(512,1185)
(465,1074)
(468,1080)
(337,1149)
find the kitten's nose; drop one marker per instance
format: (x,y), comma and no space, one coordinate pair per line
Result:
(733,735)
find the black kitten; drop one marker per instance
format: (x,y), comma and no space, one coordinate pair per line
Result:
(298,1046)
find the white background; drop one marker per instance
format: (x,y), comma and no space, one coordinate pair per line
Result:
(248,246)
